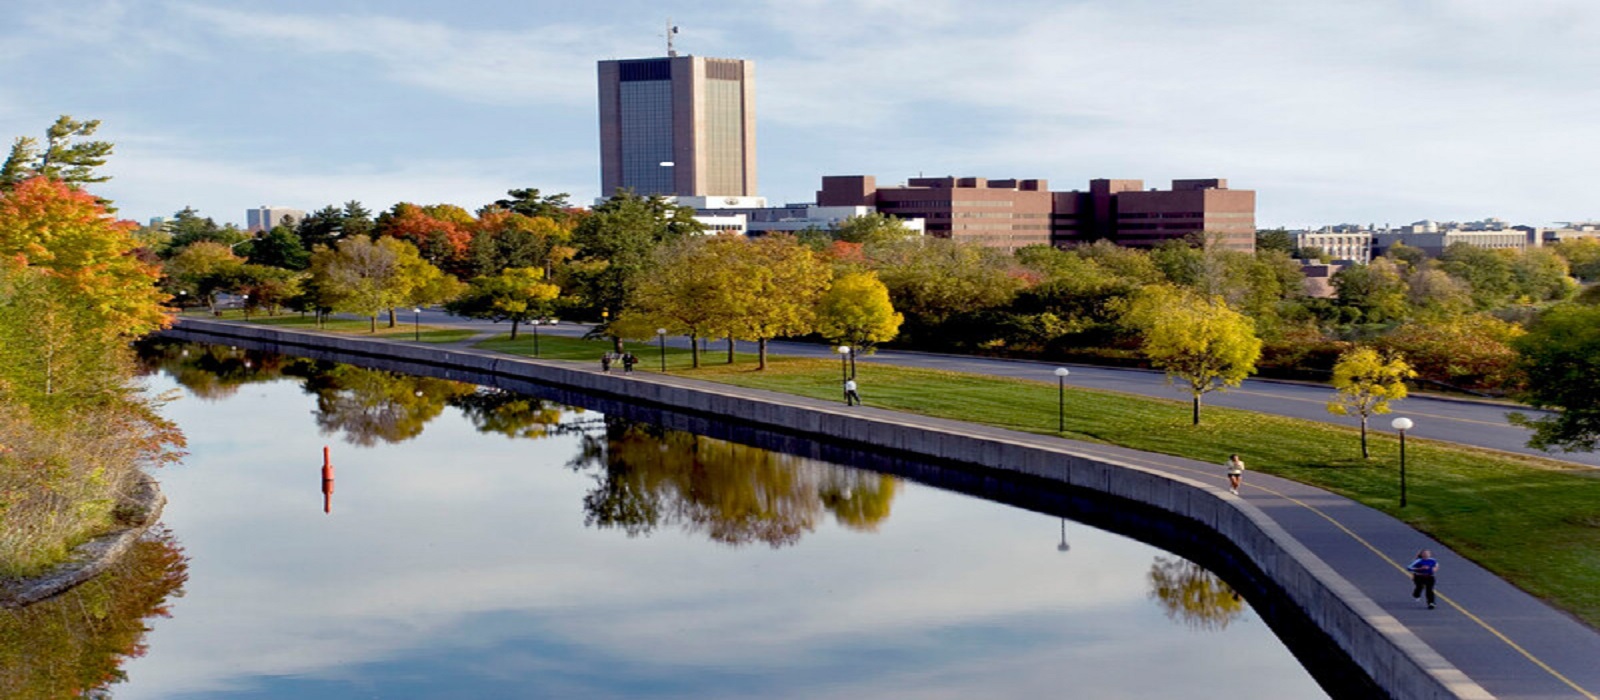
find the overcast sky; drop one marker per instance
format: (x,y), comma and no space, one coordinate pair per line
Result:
(1360,111)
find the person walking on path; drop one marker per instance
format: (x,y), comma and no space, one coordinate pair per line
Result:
(627,362)
(1422,571)
(1235,473)
(851,398)
(605,362)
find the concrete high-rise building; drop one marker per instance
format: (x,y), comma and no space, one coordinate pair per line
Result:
(681,125)
(263,218)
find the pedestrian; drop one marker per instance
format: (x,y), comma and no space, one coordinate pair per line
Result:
(605,362)
(1422,571)
(1235,473)
(627,362)
(851,398)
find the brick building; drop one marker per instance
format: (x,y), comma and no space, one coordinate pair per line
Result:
(1012,214)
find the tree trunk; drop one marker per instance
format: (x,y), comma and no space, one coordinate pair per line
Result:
(730,349)
(1196,409)
(374,318)
(391,317)
(513,329)
(1364,454)
(694,350)
(616,344)
(761,351)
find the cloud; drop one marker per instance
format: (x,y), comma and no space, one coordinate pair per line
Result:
(549,64)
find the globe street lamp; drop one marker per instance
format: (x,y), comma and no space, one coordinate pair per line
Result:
(244,305)
(183,296)
(416,323)
(1402,425)
(534,323)
(1061,399)
(844,367)
(661,335)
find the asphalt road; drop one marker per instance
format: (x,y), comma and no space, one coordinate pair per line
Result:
(1464,421)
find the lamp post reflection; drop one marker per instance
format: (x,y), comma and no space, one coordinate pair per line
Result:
(1063,546)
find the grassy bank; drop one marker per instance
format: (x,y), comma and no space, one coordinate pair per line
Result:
(1535,522)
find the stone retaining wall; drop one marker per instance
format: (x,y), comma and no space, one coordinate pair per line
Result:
(1391,655)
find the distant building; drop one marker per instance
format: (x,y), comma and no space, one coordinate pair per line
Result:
(1012,214)
(1567,232)
(1337,242)
(264,218)
(751,216)
(1008,214)
(680,125)
(1434,237)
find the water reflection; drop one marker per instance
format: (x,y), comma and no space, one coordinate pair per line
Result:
(74,645)
(1193,596)
(647,478)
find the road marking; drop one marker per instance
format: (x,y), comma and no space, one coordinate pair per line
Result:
(1480,621)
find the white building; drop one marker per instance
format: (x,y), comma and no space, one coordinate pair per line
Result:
(264,218)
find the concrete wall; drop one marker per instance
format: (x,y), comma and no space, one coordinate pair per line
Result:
(1391,655)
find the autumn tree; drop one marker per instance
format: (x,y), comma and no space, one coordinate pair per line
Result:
(1488,271)
(440,232)
(934,280)
(1366,382)
(1190,594)
(1471,352)
(856,311)
(517,294)
(693,287)
(201,270)
(872,228)
(780,282)
(1196,340)
(264,286)
(366,277)
(1561,356)
(503,239)
(1583,257)
(1377,289)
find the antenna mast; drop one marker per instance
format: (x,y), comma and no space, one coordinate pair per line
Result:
(671,30)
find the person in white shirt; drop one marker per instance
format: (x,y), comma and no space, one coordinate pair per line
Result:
(1235,473)
(851,398)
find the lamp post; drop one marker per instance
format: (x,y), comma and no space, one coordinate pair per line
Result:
(844,367)
(1061,399)
(1402,425)
(183,296)
(244,305)
(416,323)
(661,335)
(534,323)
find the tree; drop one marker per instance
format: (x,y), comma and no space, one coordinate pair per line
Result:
(201,270)
(66,157)
(1539,274)
(1376,289)
(1197,340)
(280,247)
(693,287)
(47,225)
(1191,594)
(934,280)
(265,286)
(615,247)
(872,228)
(1488,271)
(188,227)
(528,202)
(856,311)
(1561,356)
(1275,239)
(1366,382)
(1583,255)
(1471,352)
(366,277)
(517,294)
(779,282)
(440,232)
(503,239)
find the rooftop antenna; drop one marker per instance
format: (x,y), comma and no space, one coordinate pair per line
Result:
(671,30)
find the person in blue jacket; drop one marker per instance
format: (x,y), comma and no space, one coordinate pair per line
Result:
(1423,570)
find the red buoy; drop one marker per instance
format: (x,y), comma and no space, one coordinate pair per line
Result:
(327,481)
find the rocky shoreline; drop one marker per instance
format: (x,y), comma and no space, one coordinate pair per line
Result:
(92,557)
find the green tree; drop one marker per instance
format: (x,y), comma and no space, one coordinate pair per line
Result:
(1196,340)
(503,239)
(1366,382)
(615,247)
(528,202)
(188,227)
(1583,256)
(1377,289)
(1275,239)
(66,156)
(1539,274)
(279,247)
(1561,356)
(201,270)
(265,286)
(517,294)
(1488,271)
(933,280)
(856,311)
(359,276)
(873,228)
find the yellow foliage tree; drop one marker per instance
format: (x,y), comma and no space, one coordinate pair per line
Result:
(1366,382)
(856,311)
(1196,340)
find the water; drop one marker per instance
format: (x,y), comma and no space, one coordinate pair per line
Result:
(568,554)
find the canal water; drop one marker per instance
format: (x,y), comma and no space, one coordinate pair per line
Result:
(477,543)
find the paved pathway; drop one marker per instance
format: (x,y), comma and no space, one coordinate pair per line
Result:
(1510,643)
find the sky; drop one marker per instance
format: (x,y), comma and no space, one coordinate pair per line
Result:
(1336,111)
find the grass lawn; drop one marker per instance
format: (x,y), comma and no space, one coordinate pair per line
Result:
(402,331)
(1534,521)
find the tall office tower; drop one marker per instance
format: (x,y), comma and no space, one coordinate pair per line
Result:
(682,125)
(263,218)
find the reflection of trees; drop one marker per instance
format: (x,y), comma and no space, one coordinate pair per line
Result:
(735,494)
(1192,595)
(369,405)
(211,371)
(74,645)
(514,415)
